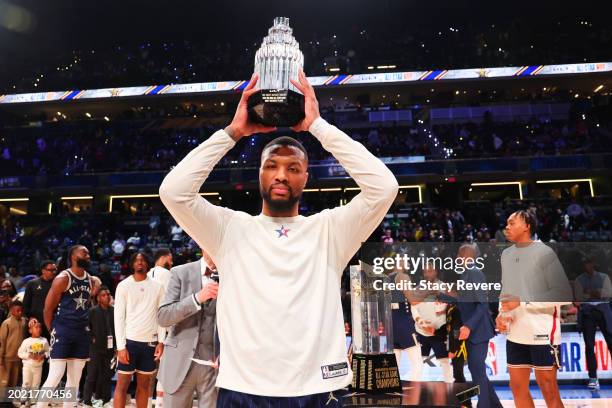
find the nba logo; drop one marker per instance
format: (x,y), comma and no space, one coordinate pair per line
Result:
(492,359)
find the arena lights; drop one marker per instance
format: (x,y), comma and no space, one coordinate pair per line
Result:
(17,211)
(317,190)
(113,197)
(599,88)
(417,186)
(5,200)
(588,180)
(503,183)
(77,198)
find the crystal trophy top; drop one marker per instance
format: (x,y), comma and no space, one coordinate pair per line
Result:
(279,57)
(278,103)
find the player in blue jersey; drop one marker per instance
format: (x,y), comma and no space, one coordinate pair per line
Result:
(67,317)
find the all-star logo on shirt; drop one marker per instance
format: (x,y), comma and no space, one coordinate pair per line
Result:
(282,231)
(81,302)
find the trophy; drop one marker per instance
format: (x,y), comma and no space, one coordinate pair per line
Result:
(374,364)
(277,103)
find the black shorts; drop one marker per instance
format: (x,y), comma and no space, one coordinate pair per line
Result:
(437,343)
(142,358)
(536,356)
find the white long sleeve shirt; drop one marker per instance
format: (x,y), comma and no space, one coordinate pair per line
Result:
(534,274)
(161,275)
(278,309)
(34,345)
(135,311)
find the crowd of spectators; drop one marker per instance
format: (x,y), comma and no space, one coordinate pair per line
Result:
(112,238)
(420,46)
(561,221)
(72,147)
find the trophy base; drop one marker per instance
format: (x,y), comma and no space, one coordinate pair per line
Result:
(429,394)
(276,107)
(375,373)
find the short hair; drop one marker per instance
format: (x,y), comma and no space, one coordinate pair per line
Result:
(161,252)
(15,303)
(67,262)
(33,322)
(102,289)
(133,259)
(529,218)
(286,141)
(469,247)
(44,264)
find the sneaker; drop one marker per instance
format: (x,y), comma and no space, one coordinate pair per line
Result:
(593,383)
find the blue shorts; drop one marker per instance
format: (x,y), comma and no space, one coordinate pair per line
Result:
(437,343)
(539,357)
(142,358)
(235,399)
(69,343)
(404,334)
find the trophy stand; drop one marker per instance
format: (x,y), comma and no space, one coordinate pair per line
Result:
(277,103)
(374,364)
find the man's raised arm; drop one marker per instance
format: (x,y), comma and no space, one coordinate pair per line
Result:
(203,221)
(354,222)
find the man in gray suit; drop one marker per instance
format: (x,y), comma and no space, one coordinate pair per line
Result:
(188,311)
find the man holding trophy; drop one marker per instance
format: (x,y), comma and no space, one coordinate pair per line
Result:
(279,313)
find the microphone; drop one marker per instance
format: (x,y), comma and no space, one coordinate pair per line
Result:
(214,276)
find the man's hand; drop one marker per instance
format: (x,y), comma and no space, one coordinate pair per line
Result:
(509,303)
(123,356)
(241,126)
(159,350)
(208,292)
(311,106)
(464,333)
(502,322)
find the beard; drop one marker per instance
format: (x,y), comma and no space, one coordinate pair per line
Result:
(83,263)
(285,204)
(167,266)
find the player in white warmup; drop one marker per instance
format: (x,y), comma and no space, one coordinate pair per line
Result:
(278,309)
(534,287)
